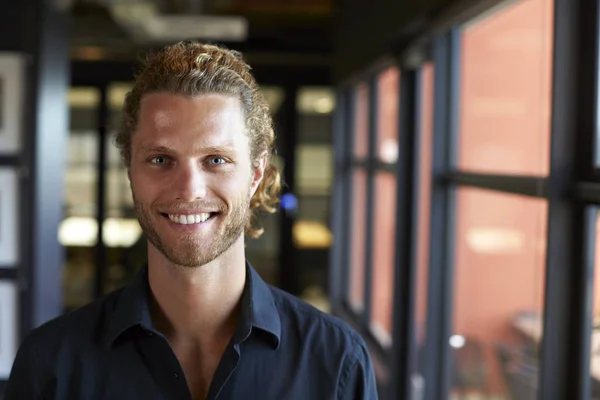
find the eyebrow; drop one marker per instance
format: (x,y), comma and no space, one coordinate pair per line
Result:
(156,149)
(206,150)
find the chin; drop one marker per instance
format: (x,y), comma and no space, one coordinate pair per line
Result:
(191,255)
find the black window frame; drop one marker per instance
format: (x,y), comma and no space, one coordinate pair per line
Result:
(571,188)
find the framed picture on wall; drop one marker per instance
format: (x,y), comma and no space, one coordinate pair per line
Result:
(9,215)
(12,72)
(8,326)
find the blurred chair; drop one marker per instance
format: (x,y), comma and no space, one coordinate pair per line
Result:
(470,369)
(523,385)
(519,369)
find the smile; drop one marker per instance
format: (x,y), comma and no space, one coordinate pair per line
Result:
(189,219)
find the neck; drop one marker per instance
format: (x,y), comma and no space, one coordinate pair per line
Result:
(198,304)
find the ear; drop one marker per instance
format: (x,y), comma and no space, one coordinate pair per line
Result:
(258,171)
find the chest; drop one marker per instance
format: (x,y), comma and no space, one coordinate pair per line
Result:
(199,366)
(152,370)
(199,372)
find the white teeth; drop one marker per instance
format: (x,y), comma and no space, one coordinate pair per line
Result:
(189,219)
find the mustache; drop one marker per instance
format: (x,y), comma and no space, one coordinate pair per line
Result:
(173,208)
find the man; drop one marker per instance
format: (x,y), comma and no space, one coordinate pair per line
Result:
(198,322)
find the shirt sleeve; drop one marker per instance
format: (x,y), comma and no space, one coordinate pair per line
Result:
(29,377)
(358,378)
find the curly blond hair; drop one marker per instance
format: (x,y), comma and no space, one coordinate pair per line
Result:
(189,69)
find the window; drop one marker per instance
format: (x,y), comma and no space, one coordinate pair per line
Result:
(384,206)
(359,199)
(314,177)
(426,133)
(314,170)
(595,334)
(264,252)
(387,115)
(357,251)
(78,232)
(505,90)
(498,292)
(125,244)
(384,234)
(361,122)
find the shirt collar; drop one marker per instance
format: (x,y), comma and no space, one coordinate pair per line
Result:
(258,309)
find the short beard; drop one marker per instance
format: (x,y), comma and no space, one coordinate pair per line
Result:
(186,252)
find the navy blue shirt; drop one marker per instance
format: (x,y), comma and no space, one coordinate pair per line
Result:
(283,348)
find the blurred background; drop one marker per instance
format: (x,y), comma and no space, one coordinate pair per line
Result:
(440,161)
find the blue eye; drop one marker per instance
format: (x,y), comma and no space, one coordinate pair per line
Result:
(217,160)
(158,160)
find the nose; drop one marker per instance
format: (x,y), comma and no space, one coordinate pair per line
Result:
(190,182)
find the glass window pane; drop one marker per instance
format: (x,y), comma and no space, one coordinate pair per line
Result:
(387,115)
(314,177)
(505,90)
(357,252)
(382,292)
(122,235)
(78,232)
(499,278)
(595,339)
(384,216)
(263,252)
(361,121)
(426,133)
(314,169)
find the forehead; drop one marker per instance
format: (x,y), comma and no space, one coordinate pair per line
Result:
(187,122)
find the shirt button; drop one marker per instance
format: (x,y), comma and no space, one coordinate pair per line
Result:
(149,333)
(176,375)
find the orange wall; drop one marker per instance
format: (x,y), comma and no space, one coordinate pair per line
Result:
(384,229)
(504,128)
(359,198)
(426,120)
(597,273)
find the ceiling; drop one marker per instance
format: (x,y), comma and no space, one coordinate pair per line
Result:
(277,31)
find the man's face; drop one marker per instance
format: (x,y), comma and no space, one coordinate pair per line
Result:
(191,175)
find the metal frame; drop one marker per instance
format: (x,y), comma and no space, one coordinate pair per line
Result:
(288,265)
(439,298)
(372,132)
(589,259)
(522,185)
(100,264)
(573,185)
(347,193)
(403,350)
(339,200)
(362,321)
(349,165)
(38,33)
(571,189)
(100,252)
(573,113)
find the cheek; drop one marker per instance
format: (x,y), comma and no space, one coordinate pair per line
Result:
(142,188)
(232,190)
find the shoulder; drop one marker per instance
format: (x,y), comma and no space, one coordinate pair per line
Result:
(81,327)
(314,324)
(330,343)
(47,347)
